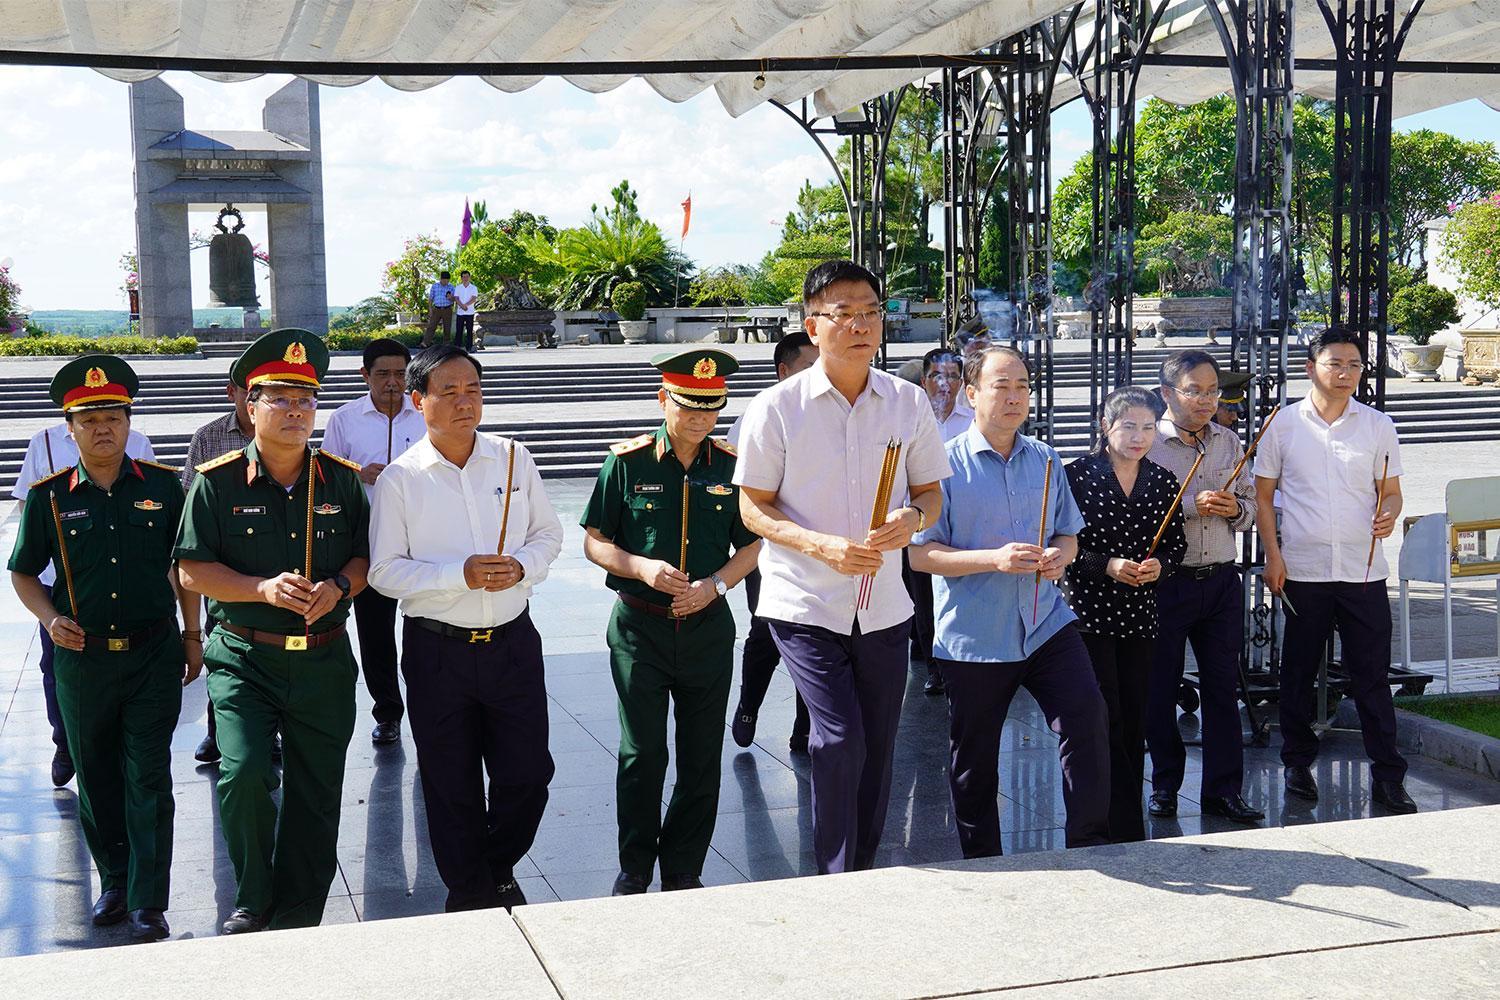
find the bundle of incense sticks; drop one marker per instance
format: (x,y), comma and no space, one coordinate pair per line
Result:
(682,549)
(881,511)
(1041,539)
(1385,473)
(67,564)
(1176,502)
(1229,485)
(510,476)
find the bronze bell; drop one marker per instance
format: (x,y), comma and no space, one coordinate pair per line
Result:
(231,265)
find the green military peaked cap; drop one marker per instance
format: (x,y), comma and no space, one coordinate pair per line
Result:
(1232,387)
(695,379)
(94,382)
(289,357)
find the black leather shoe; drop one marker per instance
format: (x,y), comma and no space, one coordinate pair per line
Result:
(798,743)
(1162,804)
(276,748)
(1392,795)
(109,908)
(148,925)
(1299,782)
(627,884)
(1231,807)
(208,750)
(510,894)
(673,883)
(743,729)
(242,921)
(62,768)
(934,685)
(385,733)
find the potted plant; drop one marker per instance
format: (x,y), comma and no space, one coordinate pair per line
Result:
(1420,310)
(629,300)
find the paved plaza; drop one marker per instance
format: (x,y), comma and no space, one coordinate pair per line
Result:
(764,824)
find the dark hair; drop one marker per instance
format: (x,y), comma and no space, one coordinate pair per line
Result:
(443,275)
(974,363)
(833,271)
(255,393)
(384,347)
(1178,365)
(788,347)
(426,362)
(1127,397)
(68,414)
(462,273)
(939,354)
(1321,342)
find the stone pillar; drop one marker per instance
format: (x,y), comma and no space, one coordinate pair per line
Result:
(299,282)
(161,228)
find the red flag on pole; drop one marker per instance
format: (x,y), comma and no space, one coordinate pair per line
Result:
(687,213)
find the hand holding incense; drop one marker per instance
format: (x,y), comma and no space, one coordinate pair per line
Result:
(880,511)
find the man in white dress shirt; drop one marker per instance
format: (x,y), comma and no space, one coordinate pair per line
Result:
(811,451)
(372,431)
(49,450)
(471,656)
(1327,455)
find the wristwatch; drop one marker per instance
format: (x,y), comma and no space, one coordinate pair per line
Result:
(720,587)
(342,582)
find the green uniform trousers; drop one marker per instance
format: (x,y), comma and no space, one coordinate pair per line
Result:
(283,872)
(119,710)
(691,662)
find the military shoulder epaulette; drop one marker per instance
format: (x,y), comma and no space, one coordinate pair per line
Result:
(224,459)
(634,444)
(724,446)
(341,460)
(159,465)
(51,476)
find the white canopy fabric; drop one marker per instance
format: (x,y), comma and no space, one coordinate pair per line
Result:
(348,32)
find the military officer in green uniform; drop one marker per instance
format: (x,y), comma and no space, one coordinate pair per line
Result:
(276,537)
(107,524)
(664,523)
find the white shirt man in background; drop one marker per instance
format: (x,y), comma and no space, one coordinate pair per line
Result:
(466,302)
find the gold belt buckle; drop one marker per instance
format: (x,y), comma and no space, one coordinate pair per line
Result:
(296,643)
(477,636)
(119,645)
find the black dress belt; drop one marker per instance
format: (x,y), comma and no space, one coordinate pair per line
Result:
(470,635)
(124,643)
(1202,572)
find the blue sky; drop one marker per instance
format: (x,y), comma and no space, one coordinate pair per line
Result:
(396,164)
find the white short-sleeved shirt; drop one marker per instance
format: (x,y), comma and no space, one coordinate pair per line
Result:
(801,440)
(1330,476)
(462,292)
(958,421)
(361,433)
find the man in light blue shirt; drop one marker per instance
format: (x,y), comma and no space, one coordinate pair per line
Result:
(439,308)
(1000,625)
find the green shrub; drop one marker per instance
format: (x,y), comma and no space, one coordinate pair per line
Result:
(1419,310)
(66,346)
(629,299)
(348,340)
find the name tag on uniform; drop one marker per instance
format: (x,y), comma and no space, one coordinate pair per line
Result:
(327,508)
(72,515)
(720,490)
(256,509)
(649,488)
(148,505)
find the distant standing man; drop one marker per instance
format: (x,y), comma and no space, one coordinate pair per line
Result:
(472,657)
(373,431)
(811,452)
(1326,454)
(219,436)
(280,657)
(1202,602)
(466,298)
(439,308)
(671,635)
(49,451)
(121,663)
(794,353)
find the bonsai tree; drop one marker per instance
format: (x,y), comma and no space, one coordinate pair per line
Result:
(1419,310)
(1187,253)
(629,299)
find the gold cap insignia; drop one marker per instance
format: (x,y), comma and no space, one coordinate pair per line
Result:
(95,378)
(705,369)
(296,354)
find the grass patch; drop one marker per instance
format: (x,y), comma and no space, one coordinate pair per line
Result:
(1478,713)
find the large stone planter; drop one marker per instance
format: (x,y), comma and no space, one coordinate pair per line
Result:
(635,331)
(521,324)
(1481,356)
(1183,316)
(1422,361)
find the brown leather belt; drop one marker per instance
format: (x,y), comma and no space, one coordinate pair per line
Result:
(124,643)
(660,610)
(293,643)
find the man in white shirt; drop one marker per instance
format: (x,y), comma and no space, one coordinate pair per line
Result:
(811,452)
(466,301)
(471,655)
(372,431)
(1337,464)
(49,450)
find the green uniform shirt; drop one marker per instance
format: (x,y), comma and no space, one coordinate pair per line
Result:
(637,504)
(239,516)
(112,535)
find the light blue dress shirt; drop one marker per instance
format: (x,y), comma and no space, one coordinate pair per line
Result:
(440,294)
(991,500)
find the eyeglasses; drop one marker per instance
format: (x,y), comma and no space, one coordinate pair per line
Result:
(1345,368)
(1195,396)
(284,403)
(841,318)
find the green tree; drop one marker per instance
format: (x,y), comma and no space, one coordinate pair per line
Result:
(721,286)
(1186,253)
(786,267)
(1471,249)
(1430,173)
(373,313)
(1419,310)
(498,249)
(406,278)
